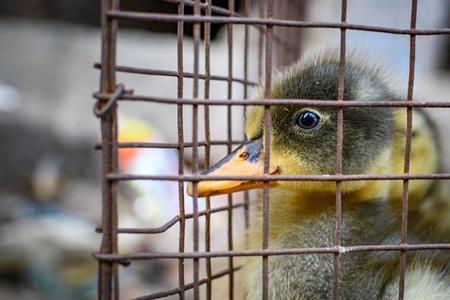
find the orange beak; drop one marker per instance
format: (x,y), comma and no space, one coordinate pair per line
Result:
(247,159)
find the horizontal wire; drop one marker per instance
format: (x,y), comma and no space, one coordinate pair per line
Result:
(167,145)
(186,287)
(320,103)
(145,71)
(355,177)
(265,252)
(172,222)
(204,6)
(271,22)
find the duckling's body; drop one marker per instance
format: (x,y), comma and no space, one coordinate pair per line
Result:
(430,217)
(310,276)
(302,214)
(362,275)
(428,200)
(425,155)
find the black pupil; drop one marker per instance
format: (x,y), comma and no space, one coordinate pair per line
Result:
(308,120)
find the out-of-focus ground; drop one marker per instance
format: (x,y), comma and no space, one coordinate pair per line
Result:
(50,188)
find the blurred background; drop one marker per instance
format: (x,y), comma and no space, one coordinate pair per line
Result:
(50,192)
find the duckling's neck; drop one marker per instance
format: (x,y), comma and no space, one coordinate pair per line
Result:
(302,213)
(307,219)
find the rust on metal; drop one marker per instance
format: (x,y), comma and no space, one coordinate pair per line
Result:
(270,22)
(355,177)
(268,65)
(290,251)
(100,112)
(319,103)
(339,143)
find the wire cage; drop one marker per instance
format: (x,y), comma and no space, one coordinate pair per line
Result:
(259,37)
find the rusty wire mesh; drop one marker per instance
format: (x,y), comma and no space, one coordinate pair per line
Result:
(111,92)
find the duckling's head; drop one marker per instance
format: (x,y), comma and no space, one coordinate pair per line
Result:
(303,139)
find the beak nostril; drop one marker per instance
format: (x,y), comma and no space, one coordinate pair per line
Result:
(243,155)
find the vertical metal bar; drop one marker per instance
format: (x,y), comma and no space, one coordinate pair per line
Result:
(107,270)
(340,139)
(109,28)
(404,228)
(108,287)
(261,40)
(196,240)
(182,212)
(230,75)
(246,48)
(267,128)
(265,245)
(207,40)
(115,153)
(230,146)
(246,51)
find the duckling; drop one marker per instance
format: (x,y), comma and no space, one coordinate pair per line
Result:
(302,213)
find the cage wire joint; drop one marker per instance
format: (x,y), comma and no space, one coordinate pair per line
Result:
(109,100)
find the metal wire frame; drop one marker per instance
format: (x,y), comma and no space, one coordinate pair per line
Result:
(109,258)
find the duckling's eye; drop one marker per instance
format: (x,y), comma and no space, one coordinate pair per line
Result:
(308,120)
